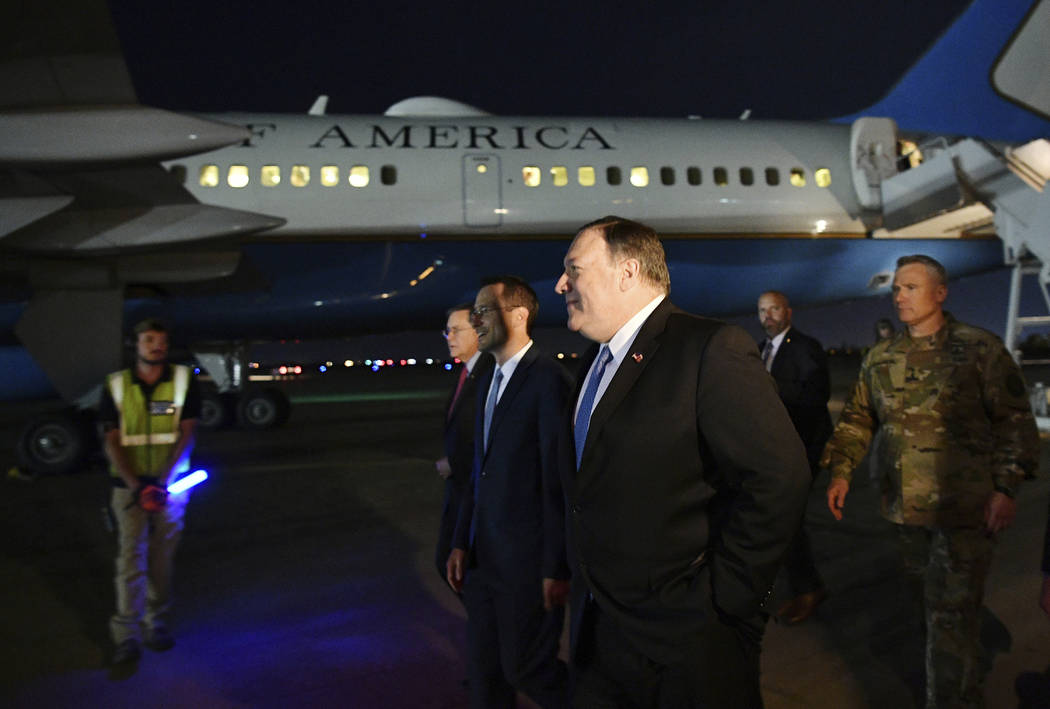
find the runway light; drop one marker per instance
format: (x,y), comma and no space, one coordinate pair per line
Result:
(404,362)
(196,370)
(561,355)
(411,361)
(348,363)
(323,369)
(282,370)
(430,360)
(298,369)
(390,363)
(368,363)
(448,366)
(375,367)
(187,481)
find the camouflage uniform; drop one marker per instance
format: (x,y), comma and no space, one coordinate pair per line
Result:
(956,426)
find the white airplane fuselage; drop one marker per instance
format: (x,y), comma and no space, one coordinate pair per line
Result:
(477,176)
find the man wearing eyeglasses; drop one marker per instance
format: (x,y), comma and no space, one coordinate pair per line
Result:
(509,556)
(455,466)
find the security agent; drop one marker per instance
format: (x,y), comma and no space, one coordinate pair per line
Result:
(148,416)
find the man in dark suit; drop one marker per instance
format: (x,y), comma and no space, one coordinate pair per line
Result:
(455,466)
(509,556)
(685,483)
(799,366)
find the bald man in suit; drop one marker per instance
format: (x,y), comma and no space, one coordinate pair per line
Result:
(799,366)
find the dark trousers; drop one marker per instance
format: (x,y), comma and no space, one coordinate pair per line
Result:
(512,645)
(947,568)
(719,670)
(801,570)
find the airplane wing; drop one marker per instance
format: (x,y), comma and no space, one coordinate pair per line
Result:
(79,157)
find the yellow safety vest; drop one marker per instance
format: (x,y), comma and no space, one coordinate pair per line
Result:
(149,429)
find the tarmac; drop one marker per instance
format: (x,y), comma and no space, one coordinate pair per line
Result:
(306,577)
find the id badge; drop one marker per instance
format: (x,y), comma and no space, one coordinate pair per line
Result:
(161,408)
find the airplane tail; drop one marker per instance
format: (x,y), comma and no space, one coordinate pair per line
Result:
(966,83)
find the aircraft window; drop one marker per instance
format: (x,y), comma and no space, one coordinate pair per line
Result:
(772,176)
(329,175)
(270,175)
(747,176)
(613,175)
(667,175)
(300,175)
(822,177)
(560,175)
(798,177)
(639,176)
(238,176)
(721,176)
(209,176)
(388,175)
(530,175)
(585,175)
(359,176)
(692,175)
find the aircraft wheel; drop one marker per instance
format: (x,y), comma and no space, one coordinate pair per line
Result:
(262,409)
(54,443)
(217,410)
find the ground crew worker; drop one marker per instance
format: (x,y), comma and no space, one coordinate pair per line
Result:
(958,436)
(148,417)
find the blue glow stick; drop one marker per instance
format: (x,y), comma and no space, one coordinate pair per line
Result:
(187,481)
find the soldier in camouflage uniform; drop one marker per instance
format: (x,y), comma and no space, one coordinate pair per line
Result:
(957,438)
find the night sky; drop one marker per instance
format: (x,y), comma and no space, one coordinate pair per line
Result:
(801,60)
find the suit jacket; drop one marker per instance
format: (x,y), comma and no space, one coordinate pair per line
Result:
(459,448)
(459,424)
(800,369)
(512,520)
(692,484)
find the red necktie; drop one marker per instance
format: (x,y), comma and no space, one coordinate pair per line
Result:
(459,389)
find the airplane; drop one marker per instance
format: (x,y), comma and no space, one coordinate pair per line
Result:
(239,225)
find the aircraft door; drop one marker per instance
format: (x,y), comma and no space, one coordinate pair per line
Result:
(482,195)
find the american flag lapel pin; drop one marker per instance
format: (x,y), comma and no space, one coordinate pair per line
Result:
(637,356)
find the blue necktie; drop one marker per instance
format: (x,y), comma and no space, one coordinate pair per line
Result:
(583,416)
(490,403)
